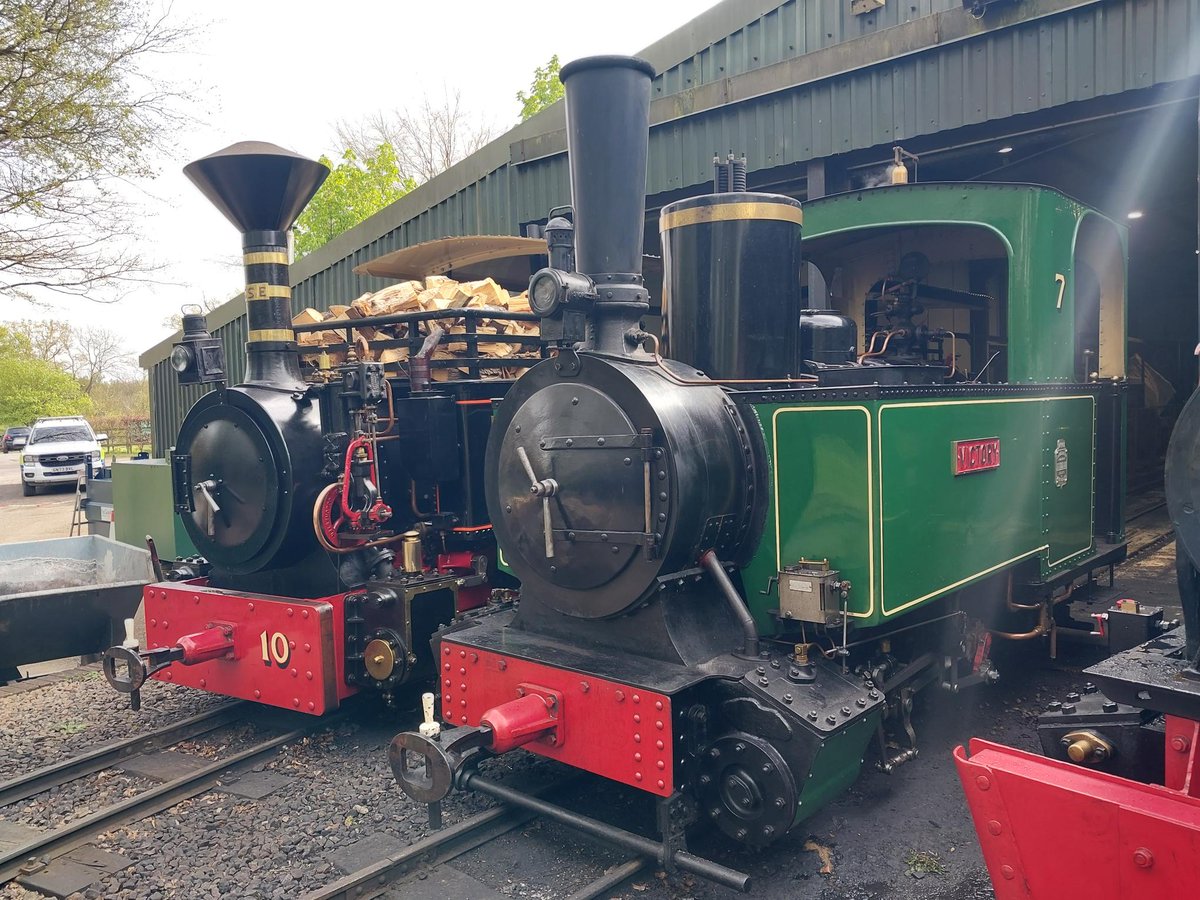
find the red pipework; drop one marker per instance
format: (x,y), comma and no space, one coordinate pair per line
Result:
(378,512)
(212,643)
(520,721)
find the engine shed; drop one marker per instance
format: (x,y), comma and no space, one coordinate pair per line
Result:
(1096,99)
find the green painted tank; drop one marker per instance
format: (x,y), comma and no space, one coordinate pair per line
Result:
(914,491)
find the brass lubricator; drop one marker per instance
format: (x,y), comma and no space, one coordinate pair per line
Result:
(801,670)
(410,552)
(1086,748)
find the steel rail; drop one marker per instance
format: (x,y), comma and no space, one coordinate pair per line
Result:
(59,773)
(1149,546)
(643,846)
(31,856)
(434,850)
(610,880)
(440,847)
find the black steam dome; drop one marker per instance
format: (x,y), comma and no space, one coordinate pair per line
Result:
(256,185)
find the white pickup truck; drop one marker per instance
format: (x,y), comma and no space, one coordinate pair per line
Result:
(58,451)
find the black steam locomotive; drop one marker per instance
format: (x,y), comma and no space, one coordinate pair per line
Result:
(339,514)
(701,542)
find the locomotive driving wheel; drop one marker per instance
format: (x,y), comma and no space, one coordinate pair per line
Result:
(745,786)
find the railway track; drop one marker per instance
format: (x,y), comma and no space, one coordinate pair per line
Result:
(35,854)
(389,873)
(60,773)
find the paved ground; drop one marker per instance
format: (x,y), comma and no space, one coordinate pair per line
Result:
(46,515)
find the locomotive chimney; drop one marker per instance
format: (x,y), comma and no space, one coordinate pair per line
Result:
(608,122)
(261,189)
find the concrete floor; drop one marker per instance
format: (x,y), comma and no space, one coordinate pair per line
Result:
(46,515)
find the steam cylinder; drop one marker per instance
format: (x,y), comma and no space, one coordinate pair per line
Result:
(731,285)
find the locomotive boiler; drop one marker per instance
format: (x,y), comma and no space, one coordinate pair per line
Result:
(743,546)
(337,514)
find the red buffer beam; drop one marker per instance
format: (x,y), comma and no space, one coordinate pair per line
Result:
(1050,830)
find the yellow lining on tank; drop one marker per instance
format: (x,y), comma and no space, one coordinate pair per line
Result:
(1008,562)
(727,212)
(870,493)
(261,257)
(271,334)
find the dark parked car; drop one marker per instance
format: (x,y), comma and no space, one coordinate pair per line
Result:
(14,438)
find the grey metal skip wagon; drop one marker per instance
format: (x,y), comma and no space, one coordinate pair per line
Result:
(66,597)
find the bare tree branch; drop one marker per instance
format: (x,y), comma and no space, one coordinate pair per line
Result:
(428,138)
(79,112)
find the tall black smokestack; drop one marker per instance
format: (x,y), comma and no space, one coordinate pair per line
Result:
(261,189)
(608,135)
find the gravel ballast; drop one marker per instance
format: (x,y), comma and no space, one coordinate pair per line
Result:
(890,837)
(79,713)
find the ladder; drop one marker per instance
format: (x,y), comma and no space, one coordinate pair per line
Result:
(79,513)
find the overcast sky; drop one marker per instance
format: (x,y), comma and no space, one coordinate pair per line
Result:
(288,72)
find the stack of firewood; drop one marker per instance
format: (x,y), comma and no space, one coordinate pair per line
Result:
(436,293)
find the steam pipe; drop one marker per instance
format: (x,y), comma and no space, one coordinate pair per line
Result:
(734,600)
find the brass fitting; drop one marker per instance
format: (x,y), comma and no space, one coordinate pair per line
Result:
(1086,748)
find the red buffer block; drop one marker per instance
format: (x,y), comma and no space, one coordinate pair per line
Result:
(520,721)
(275,650)
(604,727)
(1051,830)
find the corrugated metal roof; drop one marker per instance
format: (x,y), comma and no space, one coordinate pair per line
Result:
(800,80)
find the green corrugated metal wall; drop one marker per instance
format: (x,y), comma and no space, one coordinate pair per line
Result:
(1085,51)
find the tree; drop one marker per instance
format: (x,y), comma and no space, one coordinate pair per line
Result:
(78,113)
(31,387)
(356,188)
(48,339)
(90,355)
(98,354)
(545,89)
(427,139)
(127,398)
(14,343)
